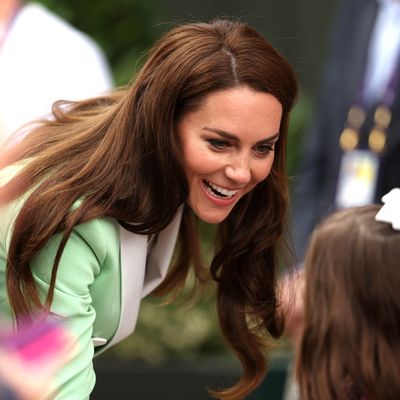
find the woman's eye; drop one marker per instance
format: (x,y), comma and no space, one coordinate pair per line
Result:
(264,149)
(218,144)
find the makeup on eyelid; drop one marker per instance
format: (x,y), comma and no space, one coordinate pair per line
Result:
(227,139)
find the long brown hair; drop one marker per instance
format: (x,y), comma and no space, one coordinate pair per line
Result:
(351,341)
(120,155)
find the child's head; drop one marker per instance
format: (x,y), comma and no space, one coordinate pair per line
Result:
(351,338)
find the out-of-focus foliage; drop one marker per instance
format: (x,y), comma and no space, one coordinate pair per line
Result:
(299,120)
(166,333)
(123,28)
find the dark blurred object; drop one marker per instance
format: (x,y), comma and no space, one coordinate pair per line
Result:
(126,28)
(179,381)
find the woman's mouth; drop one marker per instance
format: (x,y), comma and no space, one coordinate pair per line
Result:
(218,191)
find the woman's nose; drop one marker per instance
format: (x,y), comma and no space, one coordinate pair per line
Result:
(239,171)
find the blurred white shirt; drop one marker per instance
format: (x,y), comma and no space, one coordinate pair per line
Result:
(44,59)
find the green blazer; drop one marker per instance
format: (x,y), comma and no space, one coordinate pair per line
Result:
(103,274)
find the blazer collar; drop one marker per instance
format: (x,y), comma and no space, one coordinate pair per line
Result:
(141,272)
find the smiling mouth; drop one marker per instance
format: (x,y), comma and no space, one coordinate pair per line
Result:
(218,191)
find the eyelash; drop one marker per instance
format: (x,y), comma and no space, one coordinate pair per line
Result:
(218,144)
(267,148)
(261,150)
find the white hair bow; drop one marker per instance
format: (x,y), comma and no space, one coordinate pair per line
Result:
(390,211)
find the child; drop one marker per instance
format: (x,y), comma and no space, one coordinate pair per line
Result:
(350,348)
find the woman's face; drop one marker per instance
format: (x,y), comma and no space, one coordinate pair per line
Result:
(228,148)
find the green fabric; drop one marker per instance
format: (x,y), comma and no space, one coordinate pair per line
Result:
(87,290)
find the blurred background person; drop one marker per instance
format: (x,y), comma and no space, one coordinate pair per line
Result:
(43,59)
(351,154)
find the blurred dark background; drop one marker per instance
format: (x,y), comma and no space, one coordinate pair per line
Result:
(176,353)
(126,28)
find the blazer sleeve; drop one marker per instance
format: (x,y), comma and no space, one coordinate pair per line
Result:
(81,262)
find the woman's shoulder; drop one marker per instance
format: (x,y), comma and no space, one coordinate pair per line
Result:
(91,249)
(101,234)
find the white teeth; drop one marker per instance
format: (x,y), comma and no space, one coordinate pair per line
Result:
(225,192)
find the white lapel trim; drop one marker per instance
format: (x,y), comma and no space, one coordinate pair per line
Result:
(141,274)
(133,250)
(160,255)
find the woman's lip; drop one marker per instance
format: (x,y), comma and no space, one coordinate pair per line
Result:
(219,201)
(222,186)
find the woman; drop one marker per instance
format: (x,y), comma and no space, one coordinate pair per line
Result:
(97,196)
(350,348)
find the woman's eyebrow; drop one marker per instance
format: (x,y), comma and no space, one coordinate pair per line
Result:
(222,133)
(232,136)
